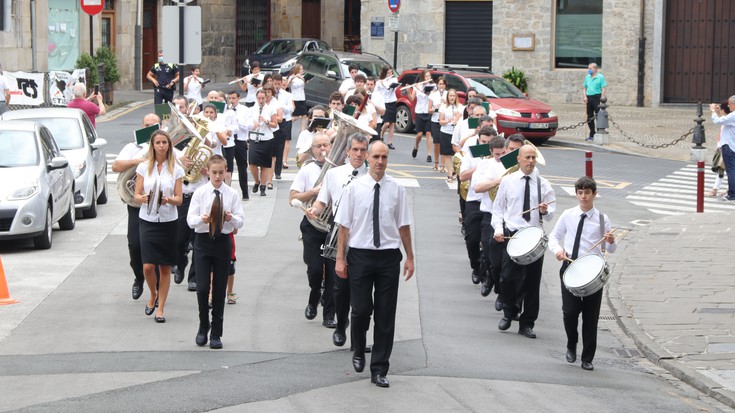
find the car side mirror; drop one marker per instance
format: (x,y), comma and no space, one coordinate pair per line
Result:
(98,143)
(58,162)
(332,74)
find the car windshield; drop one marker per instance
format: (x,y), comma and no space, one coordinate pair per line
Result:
(18,148)
(66,132)
(367,67)
(281,47)
(495,87)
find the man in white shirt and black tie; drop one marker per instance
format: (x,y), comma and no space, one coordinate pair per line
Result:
(524,199)
(333,187)
(374,221)
(214,213)
(579,229)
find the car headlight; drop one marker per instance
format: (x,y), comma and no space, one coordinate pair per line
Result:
(288,65)
(508,112)
(25,191)
(78,168)
(552,114)
(247,62)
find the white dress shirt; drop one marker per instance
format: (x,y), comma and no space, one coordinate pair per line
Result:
(463,131)
(194,90)
(191,187)
(487,170)
(382,86)
(297,89)
(252,90)
(132,151)
(201,203)
(508,204)
(467,164)
(436,98)
(449,111)
(255,114)
(727,133)
(306,177)
(347,84)
(377,101)
(243,122)
(216,126)
(566,230)
(356,212)
(287,105)
(335,181)
(168,212)
(422,100)
(231,125)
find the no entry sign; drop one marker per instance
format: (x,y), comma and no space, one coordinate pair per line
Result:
(92,7)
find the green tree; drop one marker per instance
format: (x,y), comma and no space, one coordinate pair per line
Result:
(85,61)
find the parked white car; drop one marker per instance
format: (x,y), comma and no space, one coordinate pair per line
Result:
(78,141)
(36,184)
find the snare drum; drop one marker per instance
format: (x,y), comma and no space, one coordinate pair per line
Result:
(527,245)
(586,275)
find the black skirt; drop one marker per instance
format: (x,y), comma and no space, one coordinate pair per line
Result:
(158,242)
(300,108)
(435,132)
(390,113)
(445,144)
(261,153)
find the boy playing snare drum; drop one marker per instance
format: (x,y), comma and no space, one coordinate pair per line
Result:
(580,229)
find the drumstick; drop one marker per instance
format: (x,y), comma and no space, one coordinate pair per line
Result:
(600,241)
(535,208)
(509,237)
(298,204)
(568,259)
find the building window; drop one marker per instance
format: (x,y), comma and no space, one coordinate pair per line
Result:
(577,33)
(108,24)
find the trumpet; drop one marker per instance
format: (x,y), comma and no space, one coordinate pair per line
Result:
(199,155)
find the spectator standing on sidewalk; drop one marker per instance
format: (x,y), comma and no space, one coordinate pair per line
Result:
(594,89)
(164,77)
(80,101)
(4,92)
(727,141)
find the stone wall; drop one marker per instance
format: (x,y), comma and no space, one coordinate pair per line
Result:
(125,21)
(218,40)
(15,45)
(286,21)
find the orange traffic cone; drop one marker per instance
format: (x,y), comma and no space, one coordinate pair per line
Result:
(4,294)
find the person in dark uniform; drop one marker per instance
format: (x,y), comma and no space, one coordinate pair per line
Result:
(578,229)
(374,221)
(164,77)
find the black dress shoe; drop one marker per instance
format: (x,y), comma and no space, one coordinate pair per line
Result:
(160,319)
(358,362)
(527,332)
(475,277)
(178,275)
(380,381)
(571,356)
(498,304)
(586,365)
(414,152)
(339,338)
(148,310)
(390,146)
(215,342)
(137,290)
(192,286)
(329,323)
(310,312)
(255,188)
(486,289)
(504,324)
(201,338)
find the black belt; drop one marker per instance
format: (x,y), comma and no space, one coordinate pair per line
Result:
(188,195)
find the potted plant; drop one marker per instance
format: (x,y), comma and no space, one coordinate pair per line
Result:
(517,78)
(105,56)
(86,61)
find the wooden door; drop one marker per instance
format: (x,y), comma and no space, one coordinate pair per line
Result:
(699,57)
(150,38)
(311,18)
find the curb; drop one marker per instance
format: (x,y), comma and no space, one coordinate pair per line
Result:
(123,110)
(648,346)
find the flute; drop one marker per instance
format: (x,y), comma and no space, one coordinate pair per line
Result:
(415,84)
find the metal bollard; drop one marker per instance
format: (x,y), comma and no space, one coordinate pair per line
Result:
(700,186)
(588,164)
(698,152)
(601,136)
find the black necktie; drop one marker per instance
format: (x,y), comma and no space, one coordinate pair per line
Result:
(527,199)
(376,216)
(215,216)
(578,237)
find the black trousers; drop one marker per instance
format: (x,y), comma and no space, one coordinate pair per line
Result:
(162,95)
(593,106)
(212,256)
(136,260)
(519,288)
(589,307)
(184,235)
(241,157)
(379,271)
(492,252)
(341,292)
(229,155)
(279,144)
(313,240)
(472,228)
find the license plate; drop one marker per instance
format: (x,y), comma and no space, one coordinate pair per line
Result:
(538,125)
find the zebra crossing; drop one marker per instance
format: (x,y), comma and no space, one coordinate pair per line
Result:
(676,193)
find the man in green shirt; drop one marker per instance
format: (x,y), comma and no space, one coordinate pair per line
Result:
(594,89)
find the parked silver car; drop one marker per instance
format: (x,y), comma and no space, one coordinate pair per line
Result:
(78,141)
(36,184)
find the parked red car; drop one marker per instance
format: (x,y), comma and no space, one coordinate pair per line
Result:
(517,113)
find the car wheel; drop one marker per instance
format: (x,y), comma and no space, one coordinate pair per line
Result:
(538,141)
(404,123)
(102,199)
(43,241)
(91,212)
(68,221)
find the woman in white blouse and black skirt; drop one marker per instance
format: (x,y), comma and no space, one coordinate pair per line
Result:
(158,189)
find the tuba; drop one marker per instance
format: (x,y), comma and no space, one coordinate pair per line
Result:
(126,183)
(347,125)
(199,155)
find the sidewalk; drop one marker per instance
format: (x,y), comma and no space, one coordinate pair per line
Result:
(671,288)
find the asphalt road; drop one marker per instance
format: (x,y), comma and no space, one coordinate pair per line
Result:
(78,342)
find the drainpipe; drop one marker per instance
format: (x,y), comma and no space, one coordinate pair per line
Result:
(33,35)
(137,57)
(641,55)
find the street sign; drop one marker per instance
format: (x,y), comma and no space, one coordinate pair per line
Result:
(394,5)
(91,7)
(393,22)
(192,35)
